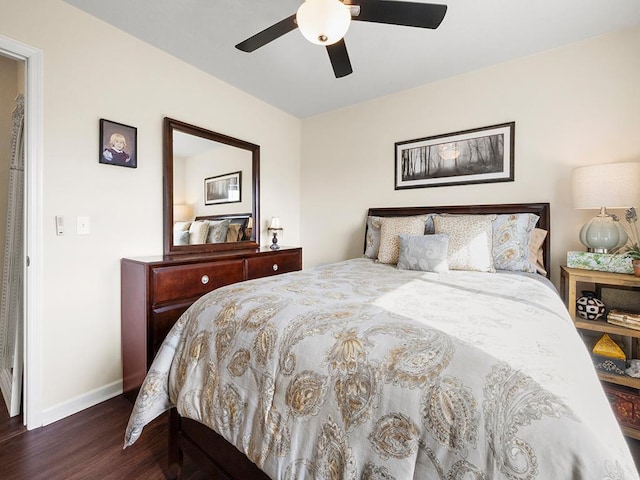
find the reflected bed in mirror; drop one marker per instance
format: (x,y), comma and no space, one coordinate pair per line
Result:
(210,183)
(213,229)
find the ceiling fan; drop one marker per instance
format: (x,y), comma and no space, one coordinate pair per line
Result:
(325,22)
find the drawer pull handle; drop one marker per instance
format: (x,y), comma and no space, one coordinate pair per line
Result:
(205,279)
(275,267)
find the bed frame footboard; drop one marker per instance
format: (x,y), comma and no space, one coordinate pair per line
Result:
(211,452)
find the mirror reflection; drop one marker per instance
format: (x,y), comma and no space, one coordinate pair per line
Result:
(210,190)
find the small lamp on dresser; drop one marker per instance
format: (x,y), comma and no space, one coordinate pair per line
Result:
(275,227)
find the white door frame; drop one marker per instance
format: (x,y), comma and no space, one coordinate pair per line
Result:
(32,328)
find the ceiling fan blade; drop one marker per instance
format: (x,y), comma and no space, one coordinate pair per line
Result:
(268,34)
(339,59)
(410,14)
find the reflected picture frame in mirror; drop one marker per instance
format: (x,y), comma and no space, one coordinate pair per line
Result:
(181,213)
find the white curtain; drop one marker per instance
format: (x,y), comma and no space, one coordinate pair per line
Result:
(12,272)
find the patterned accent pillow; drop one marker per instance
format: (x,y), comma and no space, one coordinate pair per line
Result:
(234,233)
(390,228)
(373,233)
(470,241)
(511,239)
(181,237)
(198,231)
(427,253)
(536,254)
(373,237)
(217,232)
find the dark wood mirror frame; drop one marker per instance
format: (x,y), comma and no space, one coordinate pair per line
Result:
(171,125)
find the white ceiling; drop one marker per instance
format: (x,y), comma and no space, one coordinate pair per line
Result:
(296,76)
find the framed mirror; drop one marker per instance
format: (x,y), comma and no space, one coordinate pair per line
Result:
(211,190)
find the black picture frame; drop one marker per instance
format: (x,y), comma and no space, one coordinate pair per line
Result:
(221,189)
(112,136)
(479,155)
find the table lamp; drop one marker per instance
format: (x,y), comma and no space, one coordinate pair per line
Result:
(275,227)
(182,212)
(598,187)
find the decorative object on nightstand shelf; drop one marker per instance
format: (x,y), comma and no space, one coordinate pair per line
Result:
(275,227)
(598,187)
(634,368)
(608,356)
(602,262)
(624,319)
(588,306)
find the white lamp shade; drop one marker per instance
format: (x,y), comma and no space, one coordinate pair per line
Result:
(274,224)
(323,22)
(182,212)
(611,185)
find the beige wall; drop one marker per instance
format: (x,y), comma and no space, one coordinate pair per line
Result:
(93,71)
(575,105)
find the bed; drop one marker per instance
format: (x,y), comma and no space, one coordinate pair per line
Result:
(360,369)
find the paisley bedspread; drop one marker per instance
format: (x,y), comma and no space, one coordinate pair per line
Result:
(357,370)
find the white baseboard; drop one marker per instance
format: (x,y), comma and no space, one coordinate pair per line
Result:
(81,402)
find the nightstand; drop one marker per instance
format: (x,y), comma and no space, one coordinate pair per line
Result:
(622,390)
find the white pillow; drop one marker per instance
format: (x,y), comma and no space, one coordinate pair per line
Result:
(198,231)
(181,226)
(470,241)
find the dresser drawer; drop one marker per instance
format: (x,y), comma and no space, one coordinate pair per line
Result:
(188,281)
(162,319)
(266,265)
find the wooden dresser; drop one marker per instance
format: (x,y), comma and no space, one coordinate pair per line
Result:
(155,291)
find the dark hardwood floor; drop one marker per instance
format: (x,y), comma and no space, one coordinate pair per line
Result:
(88,445)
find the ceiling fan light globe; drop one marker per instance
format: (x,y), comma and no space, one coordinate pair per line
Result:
(323,22)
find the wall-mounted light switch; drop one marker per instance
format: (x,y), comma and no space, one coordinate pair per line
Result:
(59,225)
(83,226)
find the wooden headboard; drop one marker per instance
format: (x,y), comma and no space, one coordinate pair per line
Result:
(540,209)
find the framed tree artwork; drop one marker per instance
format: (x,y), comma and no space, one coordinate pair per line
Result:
(480,155)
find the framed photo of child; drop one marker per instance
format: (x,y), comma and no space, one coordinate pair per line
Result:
(118,144)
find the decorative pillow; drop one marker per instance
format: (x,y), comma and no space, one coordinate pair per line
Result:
(181,226)
(198,231)
(373,237)
(536,254)
(427,253)
(511,239)
(470,241)
(217,232)
(181,238)
(234,233)
(390,228)
(373,233)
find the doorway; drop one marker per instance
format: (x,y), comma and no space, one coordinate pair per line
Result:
(32,265)
(12,256)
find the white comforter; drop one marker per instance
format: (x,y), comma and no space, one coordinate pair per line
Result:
(358,370)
